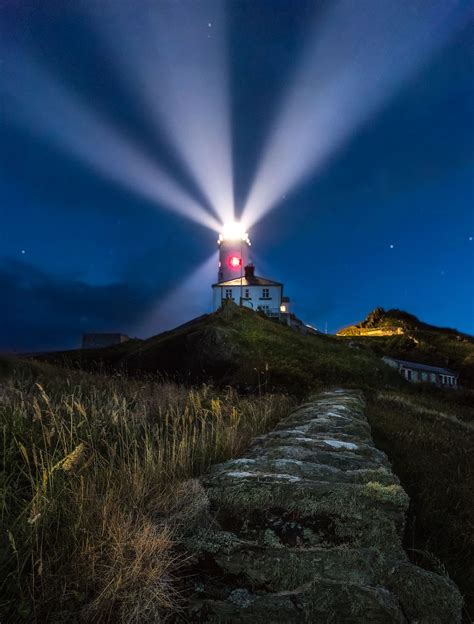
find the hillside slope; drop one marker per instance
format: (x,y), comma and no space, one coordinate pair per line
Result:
(427,432)
(404,336)
(238,347)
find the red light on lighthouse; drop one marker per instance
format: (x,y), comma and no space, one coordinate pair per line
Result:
(234,262)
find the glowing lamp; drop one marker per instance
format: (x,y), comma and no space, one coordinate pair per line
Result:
(234,262)
(234,231)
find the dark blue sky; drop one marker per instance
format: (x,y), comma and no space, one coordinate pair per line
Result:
(387,221)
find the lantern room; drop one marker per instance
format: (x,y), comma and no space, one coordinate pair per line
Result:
(234,245)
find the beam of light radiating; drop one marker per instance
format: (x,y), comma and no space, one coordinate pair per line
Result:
(35,100)
(359,55)
(191,298)
(175,54)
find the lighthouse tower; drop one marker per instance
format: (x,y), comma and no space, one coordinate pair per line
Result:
(234,247)
(236,279)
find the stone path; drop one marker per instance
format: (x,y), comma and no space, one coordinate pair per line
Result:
(308,528)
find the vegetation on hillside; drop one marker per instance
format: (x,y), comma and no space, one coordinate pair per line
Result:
(419,342)
(98,466)
(234,346)
(430,441)
(96,486)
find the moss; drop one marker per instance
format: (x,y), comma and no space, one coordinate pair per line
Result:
(426,598)
(390,494)
(381,475)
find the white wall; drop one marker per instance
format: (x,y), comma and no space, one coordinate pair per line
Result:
(255,296)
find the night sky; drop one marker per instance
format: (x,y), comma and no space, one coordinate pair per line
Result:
(387,220)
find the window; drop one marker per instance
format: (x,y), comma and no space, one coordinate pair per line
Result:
(265,293)
(228,293)
(247,293)
(433,377)
(424,376)
(414,376)
(408,375)
(264,308)
(443,379)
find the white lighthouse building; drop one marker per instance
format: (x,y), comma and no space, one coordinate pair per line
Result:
(236,279)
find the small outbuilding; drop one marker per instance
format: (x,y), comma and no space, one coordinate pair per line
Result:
(416,372)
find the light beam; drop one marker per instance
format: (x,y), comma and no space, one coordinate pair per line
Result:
(191,298)
(359,55)
(174,53)
(35,100)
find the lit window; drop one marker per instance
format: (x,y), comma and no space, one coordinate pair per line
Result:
(283,308)
(265,293)
(228,293)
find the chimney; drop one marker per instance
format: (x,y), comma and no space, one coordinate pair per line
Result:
(249,271)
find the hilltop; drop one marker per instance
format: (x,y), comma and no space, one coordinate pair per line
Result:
(402,335)
(234,346)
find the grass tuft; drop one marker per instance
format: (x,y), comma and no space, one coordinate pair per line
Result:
(97,484)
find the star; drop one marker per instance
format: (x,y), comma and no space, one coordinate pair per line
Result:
(392,246)
(209,24)
(470,238)
(23,251)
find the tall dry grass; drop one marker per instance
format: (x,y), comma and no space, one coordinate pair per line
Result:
(96,484)
(431,446)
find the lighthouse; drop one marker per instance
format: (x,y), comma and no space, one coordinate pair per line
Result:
(234,248)
(236,279)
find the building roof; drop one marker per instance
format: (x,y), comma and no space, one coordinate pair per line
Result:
(424,367)
(249,281)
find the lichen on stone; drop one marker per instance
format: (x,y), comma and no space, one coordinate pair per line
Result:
(241,598)
(212,541)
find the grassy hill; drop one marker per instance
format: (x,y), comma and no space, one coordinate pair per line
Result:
(144,432)
(238,347)
(411,339)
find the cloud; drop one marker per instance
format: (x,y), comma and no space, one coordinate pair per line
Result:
(40,311)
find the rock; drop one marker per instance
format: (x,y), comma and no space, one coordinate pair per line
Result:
(308,527)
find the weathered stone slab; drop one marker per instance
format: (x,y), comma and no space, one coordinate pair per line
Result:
(308,527)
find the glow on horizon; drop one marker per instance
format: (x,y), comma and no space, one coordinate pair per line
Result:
(59,116)
(359,55)
(174,56)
